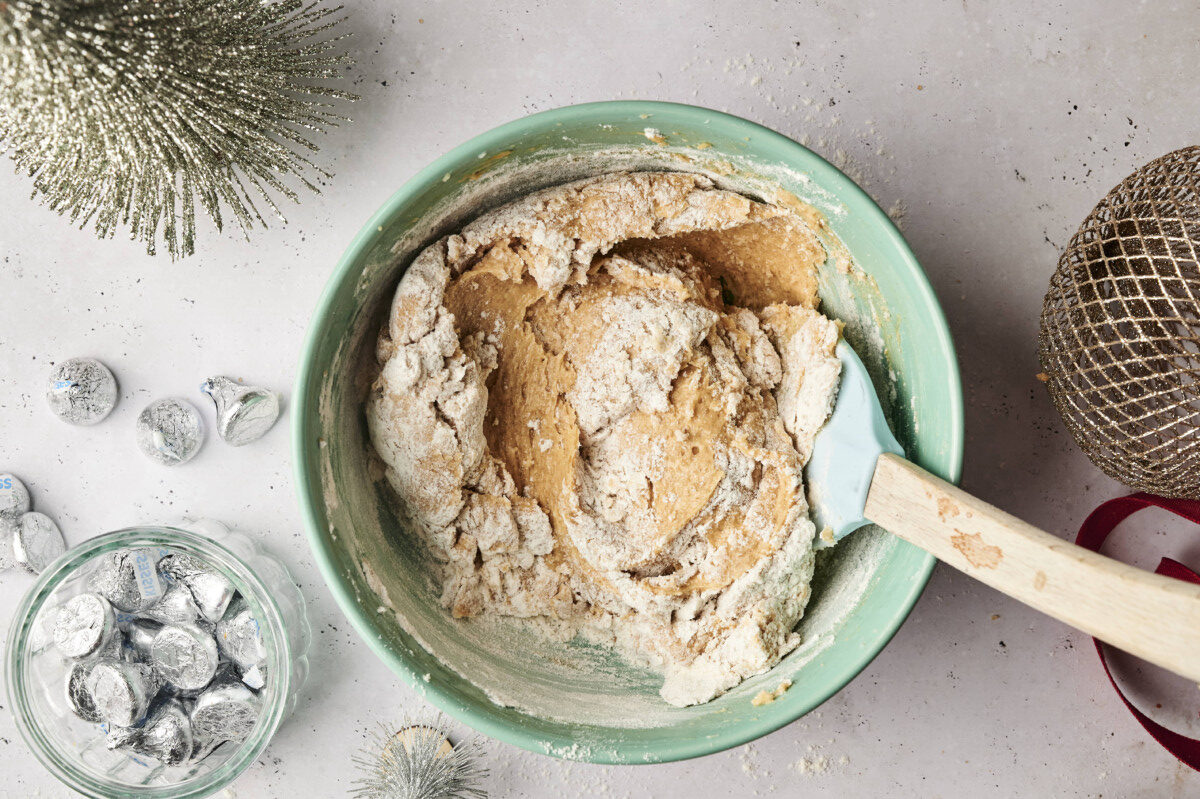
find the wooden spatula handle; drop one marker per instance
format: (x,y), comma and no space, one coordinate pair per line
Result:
(1154,617)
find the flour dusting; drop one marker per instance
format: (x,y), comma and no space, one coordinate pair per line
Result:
(595,405)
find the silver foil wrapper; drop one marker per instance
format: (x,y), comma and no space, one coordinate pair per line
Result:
(210,589)
(121,737)
(85,625)
(244,413)
(225,672)
(8,532)
(166,735)
(170,431)
(116,649)
(41,634)
(129,579)
(14,503)
(255,677)
(185,657)
(79,698)
(226,712)
(81,391)
(36,542)
(122,691)
(14,497)
(239,636)
(139,637)
(177,607)
(202,745)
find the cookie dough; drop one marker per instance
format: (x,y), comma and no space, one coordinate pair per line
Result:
(595,405)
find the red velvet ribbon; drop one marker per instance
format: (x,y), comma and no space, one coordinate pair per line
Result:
(1091,536)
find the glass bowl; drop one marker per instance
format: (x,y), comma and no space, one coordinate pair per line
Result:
(74,750)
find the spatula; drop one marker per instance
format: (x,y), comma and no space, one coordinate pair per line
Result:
(857,475)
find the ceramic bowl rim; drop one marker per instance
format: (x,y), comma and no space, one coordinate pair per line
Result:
(309,492)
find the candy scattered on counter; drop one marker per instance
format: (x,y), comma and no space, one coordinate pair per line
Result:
(82,391)
(8,531)
(14,497)
(27,539)
(36,541)
(244,413)
(172,671)
(170,431)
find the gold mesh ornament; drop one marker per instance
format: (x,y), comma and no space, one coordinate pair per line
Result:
(1120,329)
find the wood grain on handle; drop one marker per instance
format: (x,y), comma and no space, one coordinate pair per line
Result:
(1154,617)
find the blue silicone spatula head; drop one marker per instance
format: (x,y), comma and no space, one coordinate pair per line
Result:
(844,453)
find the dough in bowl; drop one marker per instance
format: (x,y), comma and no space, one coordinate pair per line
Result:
(595,405)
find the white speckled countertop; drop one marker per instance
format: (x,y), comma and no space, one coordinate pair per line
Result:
(989,133)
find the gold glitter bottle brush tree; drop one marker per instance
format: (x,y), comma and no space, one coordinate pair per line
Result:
(131,113)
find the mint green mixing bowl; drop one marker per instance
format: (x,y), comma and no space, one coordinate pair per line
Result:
(570,699)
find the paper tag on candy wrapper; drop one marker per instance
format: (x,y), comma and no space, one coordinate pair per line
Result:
(149,581)
(129,579)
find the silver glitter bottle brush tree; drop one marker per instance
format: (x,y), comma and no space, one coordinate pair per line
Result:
(417,761)
(130,113)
